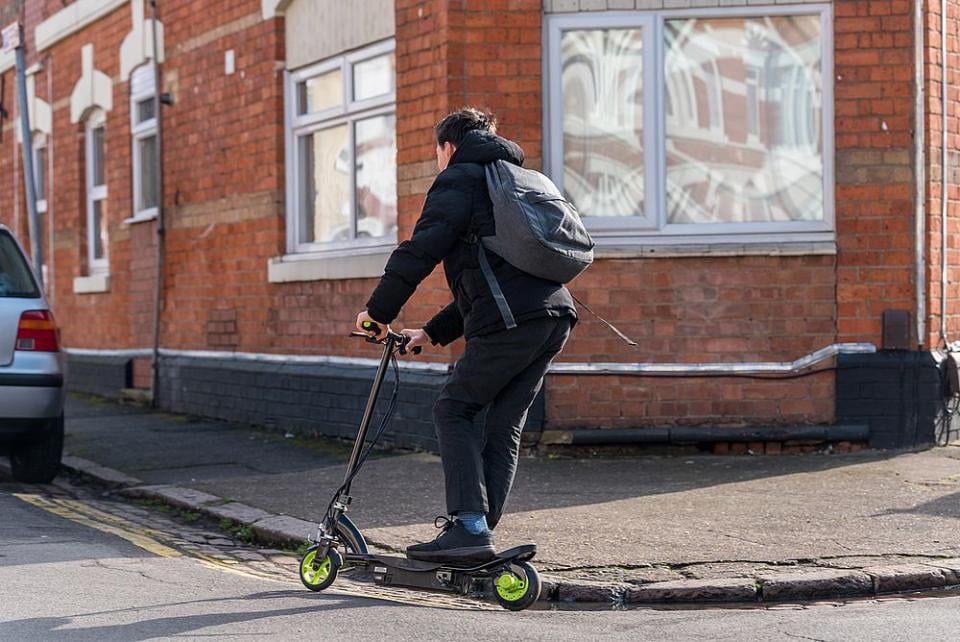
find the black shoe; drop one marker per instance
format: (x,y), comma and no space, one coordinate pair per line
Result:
(454,544)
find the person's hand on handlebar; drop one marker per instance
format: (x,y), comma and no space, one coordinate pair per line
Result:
(365,318)
(418,338)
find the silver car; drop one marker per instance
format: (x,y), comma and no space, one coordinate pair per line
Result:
(32,370)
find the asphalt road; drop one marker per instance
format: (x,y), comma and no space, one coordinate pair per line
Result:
(73,567)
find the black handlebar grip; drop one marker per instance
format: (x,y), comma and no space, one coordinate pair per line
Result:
(370,326)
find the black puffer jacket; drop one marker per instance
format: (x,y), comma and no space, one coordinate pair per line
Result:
(458,206)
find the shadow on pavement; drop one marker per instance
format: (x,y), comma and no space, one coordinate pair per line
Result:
(47,628)
(287,476)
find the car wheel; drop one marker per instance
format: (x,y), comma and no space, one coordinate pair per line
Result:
(38,462)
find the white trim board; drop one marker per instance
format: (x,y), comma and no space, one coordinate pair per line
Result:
(273,8)
(258,357)
(319,267)
(93,284)
(559,368)
(71,19)
(7,61)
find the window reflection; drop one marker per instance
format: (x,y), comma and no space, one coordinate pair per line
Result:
(743,109)
(325,158)
(603,121)
(376,156)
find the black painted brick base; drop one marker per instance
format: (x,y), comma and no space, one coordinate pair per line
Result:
(103,376)
(304,399)
(898,393)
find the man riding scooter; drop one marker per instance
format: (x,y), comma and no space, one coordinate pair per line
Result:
(502,368)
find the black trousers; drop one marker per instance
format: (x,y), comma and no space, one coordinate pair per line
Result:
(502,372)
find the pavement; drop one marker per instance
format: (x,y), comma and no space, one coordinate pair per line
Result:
(613,531)
(77,564)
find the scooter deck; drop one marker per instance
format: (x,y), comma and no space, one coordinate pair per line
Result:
(516,554)
(389,570)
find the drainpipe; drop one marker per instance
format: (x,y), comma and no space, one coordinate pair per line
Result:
(943,172)
(48,172)
(26,142)
(161,229)
(919,173)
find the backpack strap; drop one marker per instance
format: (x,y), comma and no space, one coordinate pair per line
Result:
(495,289)
(472,238)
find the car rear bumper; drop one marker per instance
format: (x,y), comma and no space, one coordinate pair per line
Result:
(32,387)
(30,402)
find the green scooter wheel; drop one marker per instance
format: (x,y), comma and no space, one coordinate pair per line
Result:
(318,576)
(518,587)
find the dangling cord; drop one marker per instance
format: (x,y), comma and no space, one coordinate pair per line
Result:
(626,339)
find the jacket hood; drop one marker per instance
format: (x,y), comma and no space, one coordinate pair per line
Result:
(485,147)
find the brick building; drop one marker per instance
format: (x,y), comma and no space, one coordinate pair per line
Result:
(763,181)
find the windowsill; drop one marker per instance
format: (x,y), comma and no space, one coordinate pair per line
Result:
(623,248)
(93,284)
(141,218)
(359,264)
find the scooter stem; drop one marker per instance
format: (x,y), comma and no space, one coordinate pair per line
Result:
(388,347)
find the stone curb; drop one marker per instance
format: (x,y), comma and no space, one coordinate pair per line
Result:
(801,586)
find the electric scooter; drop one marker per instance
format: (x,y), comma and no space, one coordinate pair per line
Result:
(339,544)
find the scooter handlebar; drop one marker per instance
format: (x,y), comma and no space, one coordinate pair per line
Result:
(400,339)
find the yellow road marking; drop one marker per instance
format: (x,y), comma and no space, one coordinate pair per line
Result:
(146,538)
(99,520)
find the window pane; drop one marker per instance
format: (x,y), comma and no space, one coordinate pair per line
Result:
(325,180)
(320,93)
(97,156)
(145,110)
(148,172)
(374,77)
(40,172)
(98,223)
(743,114)
(15,277)
(603,121)
(376,158)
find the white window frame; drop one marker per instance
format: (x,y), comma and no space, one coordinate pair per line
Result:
(95,193)
(653,229)
(348,112)
(39,141)
(139,131)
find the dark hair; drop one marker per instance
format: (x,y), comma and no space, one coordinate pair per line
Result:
(454,127)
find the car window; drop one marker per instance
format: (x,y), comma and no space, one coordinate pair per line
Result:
(15,277)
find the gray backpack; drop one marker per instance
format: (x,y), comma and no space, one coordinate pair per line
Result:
(537,230)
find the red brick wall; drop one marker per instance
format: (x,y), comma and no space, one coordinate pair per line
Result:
(224,163)
(874,71)
(89,320)
(700,310)
(934,129)
(680,309)
(224,171)
(451,54)
(804,303)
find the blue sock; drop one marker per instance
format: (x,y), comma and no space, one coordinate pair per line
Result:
(474,523)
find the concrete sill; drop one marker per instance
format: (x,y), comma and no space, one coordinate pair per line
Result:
(93,284)
(320,267)
(612,250)
(152,216)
